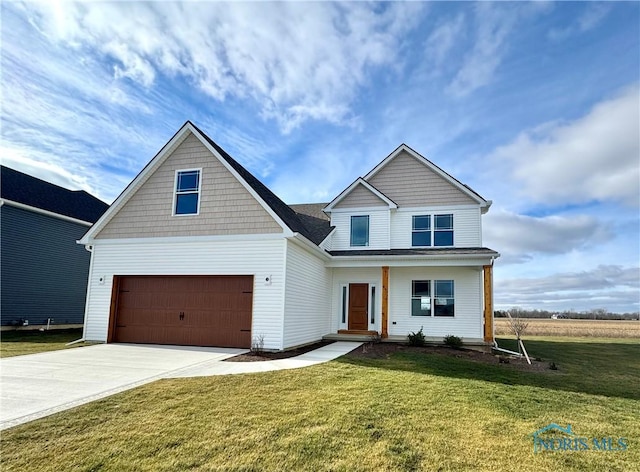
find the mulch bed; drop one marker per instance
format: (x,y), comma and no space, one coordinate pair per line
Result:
(270,356)
(385,350)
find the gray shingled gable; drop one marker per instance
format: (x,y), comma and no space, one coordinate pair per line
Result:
(314,229)
(28,190)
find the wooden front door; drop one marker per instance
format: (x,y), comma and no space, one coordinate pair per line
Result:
(358,306)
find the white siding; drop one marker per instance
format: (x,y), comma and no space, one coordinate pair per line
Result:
(307,302)
(341,277)
(260,258)
(467,322)
(379,221)
(466,225)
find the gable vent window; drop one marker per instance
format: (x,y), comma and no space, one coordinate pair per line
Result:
(187,194)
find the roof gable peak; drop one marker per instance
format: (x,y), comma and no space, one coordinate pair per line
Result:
(360,182)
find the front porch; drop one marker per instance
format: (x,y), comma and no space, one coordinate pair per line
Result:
(343,335)
(377,302)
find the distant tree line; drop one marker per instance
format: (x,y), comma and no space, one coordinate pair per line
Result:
(593,314)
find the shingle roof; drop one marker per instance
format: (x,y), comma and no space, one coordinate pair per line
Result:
(311,209)
(434,251)
(22,188)
(313,229)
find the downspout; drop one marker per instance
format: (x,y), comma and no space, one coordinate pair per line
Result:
(84,323)
(496,348)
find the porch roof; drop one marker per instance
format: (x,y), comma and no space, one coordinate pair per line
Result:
(423,257)
(431,251)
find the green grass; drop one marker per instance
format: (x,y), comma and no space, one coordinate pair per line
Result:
(19,343)
(408,412)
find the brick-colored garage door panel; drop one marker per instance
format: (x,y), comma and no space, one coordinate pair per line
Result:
(184,310)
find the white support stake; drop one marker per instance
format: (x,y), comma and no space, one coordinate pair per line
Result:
(525,352)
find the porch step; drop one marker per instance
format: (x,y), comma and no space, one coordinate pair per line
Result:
(362,332)
(347,337)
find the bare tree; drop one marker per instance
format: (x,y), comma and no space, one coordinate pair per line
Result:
(519,327)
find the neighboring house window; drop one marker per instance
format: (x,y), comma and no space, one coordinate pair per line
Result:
(432,298)
(187,196)
(443,230)
(421,234)
(421,230)
(360,230)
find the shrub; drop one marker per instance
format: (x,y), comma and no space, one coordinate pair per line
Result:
(257,344)
(417,339)
(453,341)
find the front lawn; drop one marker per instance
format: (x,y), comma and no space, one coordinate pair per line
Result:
(19,343)
(408,412)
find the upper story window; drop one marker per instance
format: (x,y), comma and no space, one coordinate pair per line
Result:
(443,230)
(421,234)
(360,230)
(421,230)
(187,192)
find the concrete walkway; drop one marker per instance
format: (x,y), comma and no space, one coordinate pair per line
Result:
(323,354)
(39,385)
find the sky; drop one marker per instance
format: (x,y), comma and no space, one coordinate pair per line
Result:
(536,106)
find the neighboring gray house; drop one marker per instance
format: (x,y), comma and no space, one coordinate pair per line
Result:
(43,270)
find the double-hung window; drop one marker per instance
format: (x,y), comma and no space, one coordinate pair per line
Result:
(443,230)
(360,230)
(421,230)
(432,298)
(443,297)
(432,230)
(187,192)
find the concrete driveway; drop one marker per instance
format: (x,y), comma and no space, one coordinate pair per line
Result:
(39,385)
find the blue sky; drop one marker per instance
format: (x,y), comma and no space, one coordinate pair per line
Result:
(534,105)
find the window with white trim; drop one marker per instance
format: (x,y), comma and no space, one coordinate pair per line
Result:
(187,192)
(443,230)
(421,230)
(360,231)
(432,298)
(432,230)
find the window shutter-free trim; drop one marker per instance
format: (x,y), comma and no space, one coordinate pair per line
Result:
(186,195)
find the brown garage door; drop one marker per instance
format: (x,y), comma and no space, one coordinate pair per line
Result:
(183,310)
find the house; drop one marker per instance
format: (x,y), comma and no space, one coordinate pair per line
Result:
(197,251)
(43,271)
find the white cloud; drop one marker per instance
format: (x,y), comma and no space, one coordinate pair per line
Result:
(519,237)
(594,158)
(614,287)
(493,26)
(298,61)
(443,38)
(591,17)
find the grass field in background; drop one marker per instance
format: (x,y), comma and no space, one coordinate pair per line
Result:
(411,411)
(19,343)
(568,327)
